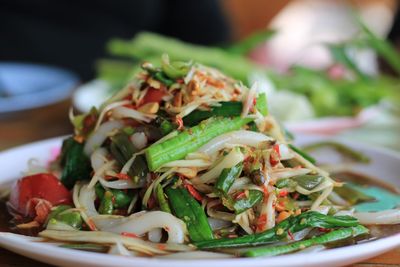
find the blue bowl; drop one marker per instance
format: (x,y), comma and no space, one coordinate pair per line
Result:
(26,86)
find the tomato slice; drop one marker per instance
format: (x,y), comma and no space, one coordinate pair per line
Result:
(153,95)
(39,186)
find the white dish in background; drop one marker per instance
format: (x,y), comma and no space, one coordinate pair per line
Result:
(91,94)
(25,86)
(384,164)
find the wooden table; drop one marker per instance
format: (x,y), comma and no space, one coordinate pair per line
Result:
(28,126)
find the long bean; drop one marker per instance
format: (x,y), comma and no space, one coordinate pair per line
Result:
(190,140)
(333,236)
(226,109)
(280,231)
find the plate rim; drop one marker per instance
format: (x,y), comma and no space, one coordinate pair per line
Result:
(63,256)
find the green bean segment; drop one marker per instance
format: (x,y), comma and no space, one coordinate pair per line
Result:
(333,236)
(190,140)
(185,207)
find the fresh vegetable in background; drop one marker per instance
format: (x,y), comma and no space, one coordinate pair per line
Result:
(340,96)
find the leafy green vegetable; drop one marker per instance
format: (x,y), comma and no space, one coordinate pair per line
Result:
(185,207)
(245,203)
(76,165)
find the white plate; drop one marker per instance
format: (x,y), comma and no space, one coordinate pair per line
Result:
(33,85)
(385,164)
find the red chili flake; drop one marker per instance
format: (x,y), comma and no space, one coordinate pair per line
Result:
(179,121)
(261,221)
(290,235)
(131,235)
(122,176)
(181,81)
(254,101)
(266,193)
(283,193)
(161,246)
(240,195)
(275,155)
(91,225)
(295,196)
(194,192)
(108,177)
(324,230)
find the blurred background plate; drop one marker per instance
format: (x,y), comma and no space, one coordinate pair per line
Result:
(26,86)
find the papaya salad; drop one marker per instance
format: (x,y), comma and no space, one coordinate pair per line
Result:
(184,162)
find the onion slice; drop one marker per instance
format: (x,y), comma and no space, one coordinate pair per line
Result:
(97,138)
(241,137)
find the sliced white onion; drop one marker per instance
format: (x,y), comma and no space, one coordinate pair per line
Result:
(324,195)
(57,225)
(239,183)
(322,209)
(268,210)
(100,237)
(221,215)
(139,140)
(243,220)
(325,184)
(99,173)
(248,101)
(85,202)
(98,158)
(285,152)
(122,184)
(124,112)
(287,173)
(391,216)
(301,234)
(195,163)
(148,221)
(125,169)
(97,138)
(345,213)
(230,160)
(241,137)
(338,200)
(108,108)
(155,235)
(217,224)
(87,196)
(198,155)
(119,249)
